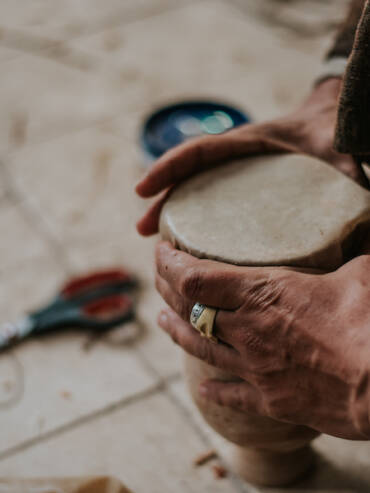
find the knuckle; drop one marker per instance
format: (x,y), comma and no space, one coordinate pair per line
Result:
(265,292)
(251,341)
(191,283)
(279,408)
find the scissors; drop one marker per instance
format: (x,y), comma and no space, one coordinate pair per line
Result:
(97,301)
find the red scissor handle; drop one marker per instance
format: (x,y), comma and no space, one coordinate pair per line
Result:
(81,284)
(108,308)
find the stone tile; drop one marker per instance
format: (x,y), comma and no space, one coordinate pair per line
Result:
(157,348)
(3,184)
(20,241)
(45,97)
(50,381)
(83,185)
(63,20)
(53,381)
(147,444)
(304,18)
(7,53)
(128,126)
(135,67)
(27,285)
(223,59)
(342,465)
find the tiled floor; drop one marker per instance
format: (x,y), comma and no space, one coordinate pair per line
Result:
(76,80)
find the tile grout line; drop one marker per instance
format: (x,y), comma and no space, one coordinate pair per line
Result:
(99,121)
(87,418)
(239,486)
(68,133)
(40,50)
(268,17)
(33,218)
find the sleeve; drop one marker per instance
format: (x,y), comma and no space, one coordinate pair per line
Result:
(353,121)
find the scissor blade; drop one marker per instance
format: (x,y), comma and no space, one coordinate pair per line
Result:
(12,332)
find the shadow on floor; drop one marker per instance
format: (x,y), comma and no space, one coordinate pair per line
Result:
(327,478)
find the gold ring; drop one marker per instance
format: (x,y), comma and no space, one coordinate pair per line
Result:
(202,318)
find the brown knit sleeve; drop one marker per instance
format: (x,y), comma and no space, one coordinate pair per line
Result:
(353,122)
(344,40)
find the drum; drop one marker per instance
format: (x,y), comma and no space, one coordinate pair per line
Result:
(278,210)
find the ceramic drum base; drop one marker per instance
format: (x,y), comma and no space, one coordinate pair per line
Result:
(266,468)
(259,449)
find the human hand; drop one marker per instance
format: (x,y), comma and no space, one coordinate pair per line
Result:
(308,130)
(299,341)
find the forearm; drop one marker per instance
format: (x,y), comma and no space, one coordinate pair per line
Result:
(352,347)
(344,40)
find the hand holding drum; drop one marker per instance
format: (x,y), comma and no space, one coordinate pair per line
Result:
(267,211)
(263,243)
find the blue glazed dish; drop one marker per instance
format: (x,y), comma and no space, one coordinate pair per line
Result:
(173,124)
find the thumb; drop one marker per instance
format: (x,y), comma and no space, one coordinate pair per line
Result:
(240,396)
(199,154)
(148,224)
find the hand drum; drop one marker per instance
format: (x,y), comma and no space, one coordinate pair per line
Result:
(286,210)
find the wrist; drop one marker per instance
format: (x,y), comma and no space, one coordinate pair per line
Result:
(334,67)
(325,94)
(352,281)
(322,102)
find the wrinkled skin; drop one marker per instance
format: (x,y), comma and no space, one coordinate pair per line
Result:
(300,341)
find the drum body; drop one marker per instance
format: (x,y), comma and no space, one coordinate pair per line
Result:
(265,452)
(267,211)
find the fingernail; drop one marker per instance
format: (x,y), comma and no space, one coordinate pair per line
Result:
(203,390)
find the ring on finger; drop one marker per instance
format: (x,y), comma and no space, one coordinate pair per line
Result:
(202,318)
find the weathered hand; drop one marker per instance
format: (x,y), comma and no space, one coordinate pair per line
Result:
(300,341)
(309,130)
